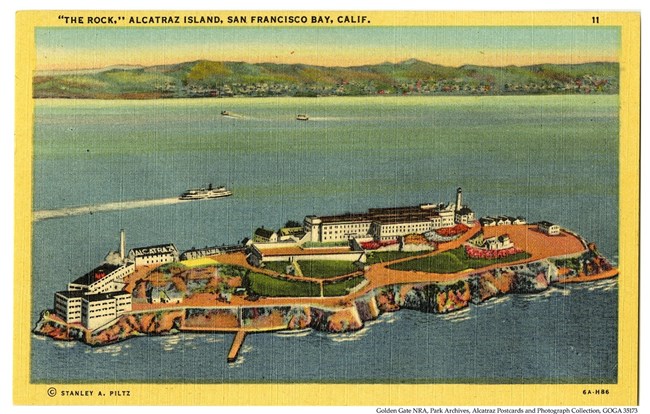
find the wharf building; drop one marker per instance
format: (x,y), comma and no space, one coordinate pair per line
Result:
(98,297)
(388,223)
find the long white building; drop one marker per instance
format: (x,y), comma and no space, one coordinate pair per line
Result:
(162,253)
(387,223)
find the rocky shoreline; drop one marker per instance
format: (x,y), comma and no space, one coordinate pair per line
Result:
(430,297)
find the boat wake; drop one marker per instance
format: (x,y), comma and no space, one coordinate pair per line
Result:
(98,208)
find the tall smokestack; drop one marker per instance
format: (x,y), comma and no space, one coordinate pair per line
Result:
(122,244)
(459,198)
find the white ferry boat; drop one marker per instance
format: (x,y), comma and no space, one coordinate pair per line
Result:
(201,193)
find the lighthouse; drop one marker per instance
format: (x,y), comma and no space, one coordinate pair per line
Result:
(459,199)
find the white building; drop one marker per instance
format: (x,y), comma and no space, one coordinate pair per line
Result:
(519,220)
(464,216)
(263,235)
(336,228)
(67,305)
(442,218)
(503,221)
(101,308)
(390,230)
(288,252)
(487,221)
(163,253)
(548,228)
(104,278)
(498,242)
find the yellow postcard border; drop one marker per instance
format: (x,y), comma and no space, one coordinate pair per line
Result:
(625,392)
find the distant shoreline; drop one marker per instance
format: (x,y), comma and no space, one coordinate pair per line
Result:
(205,78)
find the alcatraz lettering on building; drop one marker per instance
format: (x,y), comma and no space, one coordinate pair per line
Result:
(147,251)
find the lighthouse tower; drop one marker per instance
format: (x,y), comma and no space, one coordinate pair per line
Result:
(459,199)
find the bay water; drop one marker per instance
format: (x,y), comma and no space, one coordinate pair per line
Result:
(549,158)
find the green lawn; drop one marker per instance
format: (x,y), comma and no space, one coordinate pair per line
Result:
(265,285)
(280,267)
(381,257)
(452,261)
(324,269)
(341,287)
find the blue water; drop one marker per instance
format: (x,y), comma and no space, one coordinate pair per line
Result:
(554,337)
(552,158)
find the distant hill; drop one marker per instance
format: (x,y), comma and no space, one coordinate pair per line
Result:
(410,77)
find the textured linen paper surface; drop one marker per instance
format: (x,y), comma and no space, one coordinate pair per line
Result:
(326,208)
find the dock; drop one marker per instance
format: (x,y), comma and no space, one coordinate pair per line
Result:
(236,346)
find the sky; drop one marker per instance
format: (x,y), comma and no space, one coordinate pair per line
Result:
(64,48)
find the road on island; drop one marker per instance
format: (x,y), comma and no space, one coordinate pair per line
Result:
(525,237)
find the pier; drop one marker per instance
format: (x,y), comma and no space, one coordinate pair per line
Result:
(236,345)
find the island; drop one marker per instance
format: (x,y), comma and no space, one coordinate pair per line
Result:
(328,273)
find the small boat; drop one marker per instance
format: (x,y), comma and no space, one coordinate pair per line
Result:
(226,113)
(302,117)
(201,193)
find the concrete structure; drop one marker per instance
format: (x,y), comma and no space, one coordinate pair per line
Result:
(280,252)
(291,233)
(459,198)
(67,305)
(337,228)
(390,230)
(548,228)
(487,221)
(263,235)
(96,296)
(104,278)
(388,223)
(162,253)
(501,221)
(101,308)
(464,216)
(158,295)
(210,251)
(498,242)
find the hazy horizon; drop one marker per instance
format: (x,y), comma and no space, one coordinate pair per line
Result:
(97,48)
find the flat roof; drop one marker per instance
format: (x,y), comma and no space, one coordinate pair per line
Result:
(345,217)
(104,296)
(405,219)
(297,251)
(70,294)
(89,277)
(386,214)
